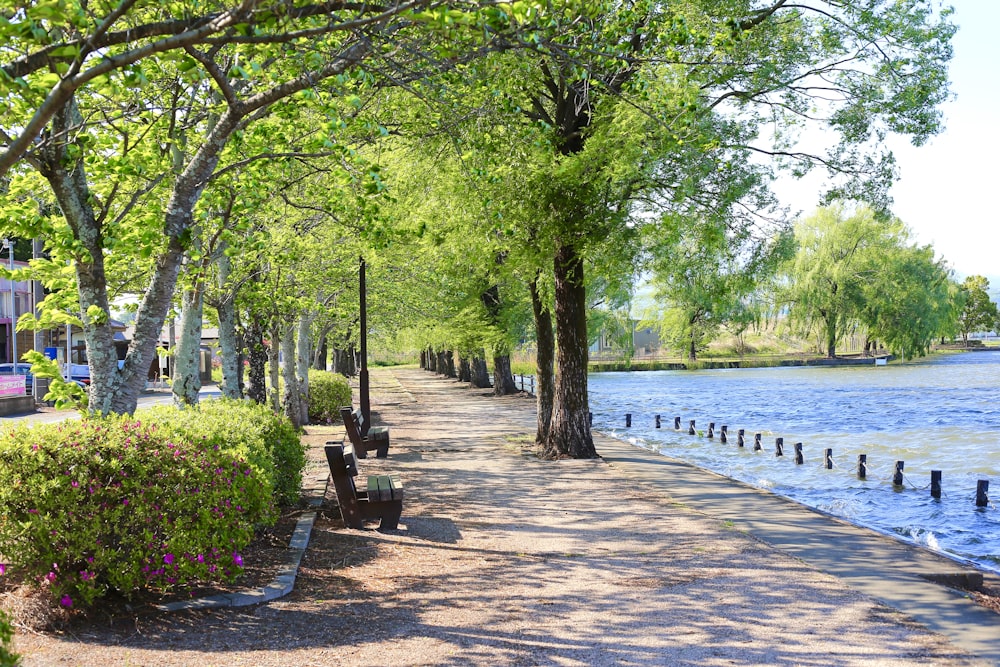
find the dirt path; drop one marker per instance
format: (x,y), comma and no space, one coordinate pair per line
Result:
(504,559)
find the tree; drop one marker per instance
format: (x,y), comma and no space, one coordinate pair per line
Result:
(662,108)
(854,270)
(75,81)
(979,313)
(837,257)
(910,305)
(707,274)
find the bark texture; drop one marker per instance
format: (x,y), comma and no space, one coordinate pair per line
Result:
(480,373)
(503,379)
(569,434)
(291,397)
(544,363)
(257,356)
(187,377)
(303,354)
(228,341)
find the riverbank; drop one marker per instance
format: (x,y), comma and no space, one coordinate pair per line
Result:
(505,559)
(752,361)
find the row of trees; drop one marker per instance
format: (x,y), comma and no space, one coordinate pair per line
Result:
(503,167)
(838,272)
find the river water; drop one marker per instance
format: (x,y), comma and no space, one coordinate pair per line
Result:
(937,414)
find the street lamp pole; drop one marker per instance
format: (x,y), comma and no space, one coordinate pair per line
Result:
(366,406)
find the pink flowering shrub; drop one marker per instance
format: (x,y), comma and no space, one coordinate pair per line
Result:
(121,504)
(328,392)
(266,440)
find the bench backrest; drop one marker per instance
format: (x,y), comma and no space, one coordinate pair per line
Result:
(354,424)
(343,469)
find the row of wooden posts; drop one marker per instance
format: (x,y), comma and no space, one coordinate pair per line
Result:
(982,486)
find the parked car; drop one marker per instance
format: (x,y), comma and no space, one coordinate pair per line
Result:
(80,374)
(21,369)
(80,377)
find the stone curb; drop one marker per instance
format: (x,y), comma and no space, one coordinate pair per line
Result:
(284,582)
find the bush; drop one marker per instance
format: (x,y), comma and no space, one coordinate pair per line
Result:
(121,504)
(328,392)
(7,656)
(268,441)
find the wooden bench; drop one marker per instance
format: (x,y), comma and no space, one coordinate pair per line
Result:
(382,499)
(376,439)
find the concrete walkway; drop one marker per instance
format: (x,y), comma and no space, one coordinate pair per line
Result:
(889,570)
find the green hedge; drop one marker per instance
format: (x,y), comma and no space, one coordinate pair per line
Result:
(265,439)
(328,392)
(125,504)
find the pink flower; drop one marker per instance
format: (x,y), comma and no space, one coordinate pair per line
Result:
(238,559)
(66,601)
(3,568)
(168,559)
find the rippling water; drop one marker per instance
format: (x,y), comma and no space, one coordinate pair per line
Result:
(940,414)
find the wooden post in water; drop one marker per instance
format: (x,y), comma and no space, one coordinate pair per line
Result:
(798,454)
(756,442)
(897,474)
(677,423)
(657,421)
(590,419)
(935,483)
(779,446)
(739,438)
(723,437)
(862,466)
(982,487)
(828,458)
(628,420)
(711,430)
(691,430)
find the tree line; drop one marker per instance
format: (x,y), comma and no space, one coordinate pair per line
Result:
(839,271)
(502,167)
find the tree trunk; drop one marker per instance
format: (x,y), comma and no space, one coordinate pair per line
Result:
(480,373)
(449,358)
(423,359)
(544,362)
(274,357)
(352,360)
(569,434)
(692,348)
(302,356)
(432,358)
(503,380)
(111,389)
(187,377)
(291,398)
(257,353)
(831,339)
(228,343)
(322,352)
(464,370)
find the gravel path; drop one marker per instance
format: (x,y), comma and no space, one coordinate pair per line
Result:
(505,559)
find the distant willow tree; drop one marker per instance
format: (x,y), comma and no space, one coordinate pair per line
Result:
(978,312)
(852,269)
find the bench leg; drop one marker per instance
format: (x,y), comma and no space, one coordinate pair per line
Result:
(390,515)
(361,452)
(383,449)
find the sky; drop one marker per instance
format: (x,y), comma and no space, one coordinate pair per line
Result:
(947,187)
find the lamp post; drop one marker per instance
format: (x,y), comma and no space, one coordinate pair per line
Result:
(366,406)
(9,244)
